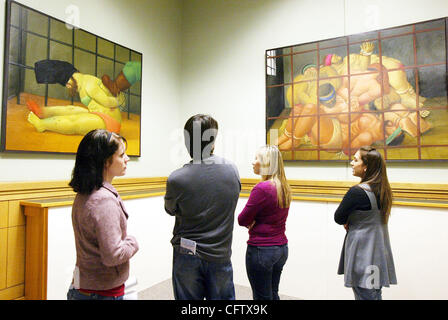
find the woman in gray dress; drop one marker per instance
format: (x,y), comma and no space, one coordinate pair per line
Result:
(366,258)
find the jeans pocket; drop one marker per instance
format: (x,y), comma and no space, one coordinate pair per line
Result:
(184,262)
(267,256)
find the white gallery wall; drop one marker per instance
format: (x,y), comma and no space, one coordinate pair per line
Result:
(224,43)
(202,56)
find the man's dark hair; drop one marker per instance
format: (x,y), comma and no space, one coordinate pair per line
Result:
(200,130)
(94,150)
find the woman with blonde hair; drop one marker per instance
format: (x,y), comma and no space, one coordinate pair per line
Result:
(265,216)
(366,259)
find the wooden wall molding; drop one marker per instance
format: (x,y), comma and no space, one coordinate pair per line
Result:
(405,194)
(60,189)
(58,193)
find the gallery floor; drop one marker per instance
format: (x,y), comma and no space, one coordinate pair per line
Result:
(164,291)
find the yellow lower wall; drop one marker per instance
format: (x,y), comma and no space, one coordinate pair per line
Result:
(12,250)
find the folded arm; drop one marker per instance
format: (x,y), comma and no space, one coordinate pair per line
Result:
(255,203)
(113,248)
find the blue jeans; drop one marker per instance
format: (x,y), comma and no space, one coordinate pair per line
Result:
(74,294)
(264,267)
(196,279)
(367,294)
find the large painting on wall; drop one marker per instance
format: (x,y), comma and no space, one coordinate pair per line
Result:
(60,82)
(385,88)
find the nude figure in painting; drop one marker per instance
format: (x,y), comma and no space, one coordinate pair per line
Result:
(338,119)
(397,78)
(101,106)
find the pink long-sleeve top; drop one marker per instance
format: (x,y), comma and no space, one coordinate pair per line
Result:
(270,219)
(103,247)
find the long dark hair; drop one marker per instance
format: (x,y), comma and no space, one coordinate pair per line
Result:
(376,177)
(94,150)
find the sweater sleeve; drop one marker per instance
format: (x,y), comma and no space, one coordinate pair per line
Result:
(253,206)
(113,249)
(354,199)
(171,198)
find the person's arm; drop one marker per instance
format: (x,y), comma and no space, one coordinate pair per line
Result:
(253,206)
(304,97)
(170,198)
(114,250)
(97,93)
(237,174)
(354,199)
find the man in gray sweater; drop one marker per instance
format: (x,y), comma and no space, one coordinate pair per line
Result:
(202,195)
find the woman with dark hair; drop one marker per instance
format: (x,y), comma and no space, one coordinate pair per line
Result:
(103,248)
(366,259)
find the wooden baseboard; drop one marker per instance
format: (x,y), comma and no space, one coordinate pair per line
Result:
(13,293)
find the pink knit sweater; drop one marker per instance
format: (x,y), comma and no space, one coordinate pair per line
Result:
(103,248)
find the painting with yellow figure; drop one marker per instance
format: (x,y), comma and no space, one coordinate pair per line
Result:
(385,88)
(60,85)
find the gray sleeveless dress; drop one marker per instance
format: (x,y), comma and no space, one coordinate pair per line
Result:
(366,259)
